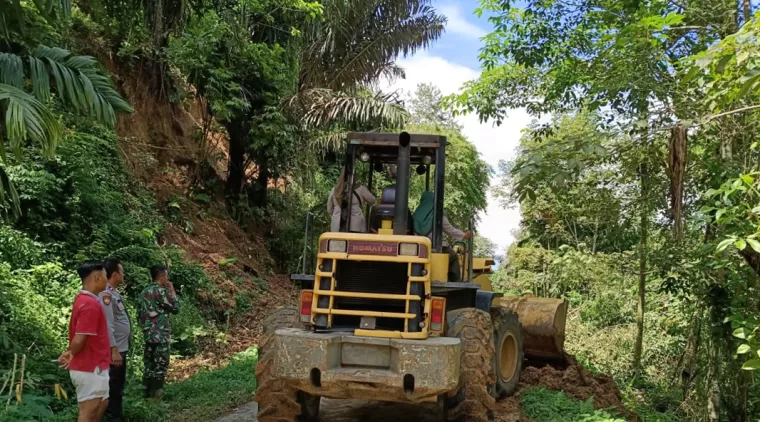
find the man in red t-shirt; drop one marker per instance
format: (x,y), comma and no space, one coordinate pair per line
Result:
(89,356)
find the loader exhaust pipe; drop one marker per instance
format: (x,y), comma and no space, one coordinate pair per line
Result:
(403,163)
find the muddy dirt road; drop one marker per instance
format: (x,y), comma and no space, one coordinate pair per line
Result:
(367,411)
(352,411)
(576,381)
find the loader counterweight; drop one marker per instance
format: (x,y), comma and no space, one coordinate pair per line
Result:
(341,365)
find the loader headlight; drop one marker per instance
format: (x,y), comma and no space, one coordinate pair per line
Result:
(408,249)
(337,246)
(364,157)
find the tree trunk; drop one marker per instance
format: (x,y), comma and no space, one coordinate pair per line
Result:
(159,42)
(747,9)
(641,306)
(718,303)
(237,131)
(752,258)
(261,185)
(713,382)
(689,361)
(677,172)
(743,397)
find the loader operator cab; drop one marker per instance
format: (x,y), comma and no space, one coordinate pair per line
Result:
(384,279)
(376,152)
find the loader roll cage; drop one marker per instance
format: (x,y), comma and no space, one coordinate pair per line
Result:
(379,149)
(428,153)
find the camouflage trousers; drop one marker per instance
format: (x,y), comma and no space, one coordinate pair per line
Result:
(156,361)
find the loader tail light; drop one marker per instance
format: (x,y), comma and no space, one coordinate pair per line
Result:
(307,296)
(438,309)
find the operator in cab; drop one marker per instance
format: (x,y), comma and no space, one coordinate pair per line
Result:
(335,202)
(423,226)
(391,174)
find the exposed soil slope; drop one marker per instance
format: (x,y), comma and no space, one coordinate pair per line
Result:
(162,144)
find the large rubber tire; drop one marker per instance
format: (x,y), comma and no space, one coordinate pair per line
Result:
(277,401)
(472,401)
(507,360)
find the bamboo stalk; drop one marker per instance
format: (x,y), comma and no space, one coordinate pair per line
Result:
(13,380)
(7,377)
(21,381)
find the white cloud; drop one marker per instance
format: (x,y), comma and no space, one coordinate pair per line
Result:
(458,24)
(493,143)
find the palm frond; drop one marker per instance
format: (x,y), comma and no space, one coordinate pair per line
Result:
(12,13)
(24,117)
(79,80)
(8,193)
(11,70)
(48,8)
(350,109)
(359,41)
(327,140)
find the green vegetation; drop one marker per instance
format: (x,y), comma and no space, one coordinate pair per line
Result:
(541,404)
(208,394)
(277,82)
(639,196)
(201,397)
(82,204)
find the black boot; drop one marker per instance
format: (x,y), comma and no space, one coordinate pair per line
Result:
(149,388)
(159,392)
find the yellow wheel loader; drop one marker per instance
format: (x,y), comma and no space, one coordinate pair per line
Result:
(379,320)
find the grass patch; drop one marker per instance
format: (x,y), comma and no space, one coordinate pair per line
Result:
(209,394)
(543,405)
(202,397)
(654,403)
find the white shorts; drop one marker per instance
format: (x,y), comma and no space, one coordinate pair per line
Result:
(90,385)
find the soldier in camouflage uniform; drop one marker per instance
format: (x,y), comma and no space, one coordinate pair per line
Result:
(157,301)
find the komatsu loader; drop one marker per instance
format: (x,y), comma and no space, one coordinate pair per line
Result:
(379,319)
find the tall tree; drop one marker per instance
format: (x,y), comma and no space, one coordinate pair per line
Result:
(350,50)
(243,66)
(326,55)
(571,185)
(426,107)
(619,57)
(468,175)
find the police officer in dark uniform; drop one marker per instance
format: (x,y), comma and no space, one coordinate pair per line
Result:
(120,330)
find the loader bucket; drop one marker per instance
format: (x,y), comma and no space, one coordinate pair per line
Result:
(543,323)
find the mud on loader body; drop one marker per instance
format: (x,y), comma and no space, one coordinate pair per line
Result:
(379,320)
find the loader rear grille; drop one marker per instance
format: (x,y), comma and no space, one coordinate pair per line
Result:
(370,277)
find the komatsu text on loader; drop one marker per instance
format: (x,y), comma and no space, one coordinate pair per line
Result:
(379,320)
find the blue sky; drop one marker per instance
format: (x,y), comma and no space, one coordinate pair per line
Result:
(460,43)
(448,63)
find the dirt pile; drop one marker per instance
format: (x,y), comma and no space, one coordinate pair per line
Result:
(576,382)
